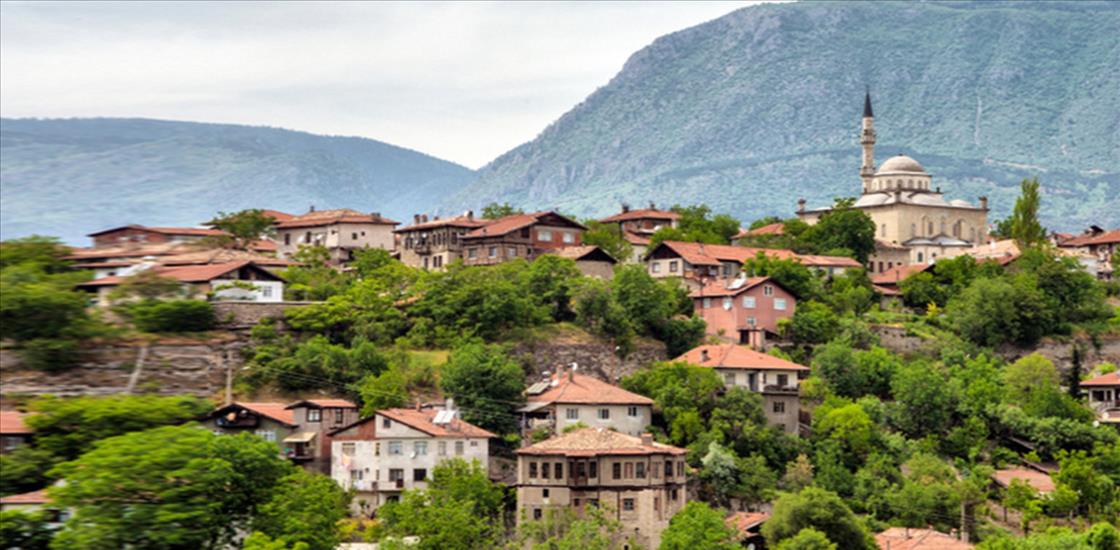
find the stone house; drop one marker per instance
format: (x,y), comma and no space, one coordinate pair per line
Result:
(134,234)
(637,226)
(270,421)
(397,449)
(744,310)
(568,399)
(310,445)
(1104,396)
(434,244)
(1098,245)
(640,482)
(775,378)
(240,280)
(14,433)
(592,261)
(520,236)
(341,231)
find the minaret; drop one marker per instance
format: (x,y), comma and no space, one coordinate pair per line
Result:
(867,140)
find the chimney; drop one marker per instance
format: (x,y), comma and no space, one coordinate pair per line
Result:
(311,208)
(424,218)
(375,214)
(652,205)
(416,218)
(470,214)
(572,372)
(704,357)
(449,404)
(984,203)
(800,205)
(419,405)
(647,439)
(625,207)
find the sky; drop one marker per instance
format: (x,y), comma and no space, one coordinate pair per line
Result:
(461,81)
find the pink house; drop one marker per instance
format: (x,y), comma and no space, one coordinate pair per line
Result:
(744,310)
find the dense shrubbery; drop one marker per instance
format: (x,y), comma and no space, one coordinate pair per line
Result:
(172,316)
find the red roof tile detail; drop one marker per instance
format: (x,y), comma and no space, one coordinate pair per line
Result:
(1110,379)
(713,254)
(1107,237)
(11,423)
(903,538)
(642,214)
(509,224)
(896,274)
(277,215)
(723,288)
(330,217)
(743,522)
(577,388)
(422,420)
(189,231)
(184,274)
(732,356)
(597,442)
(457,221)
(777,228)
(34,497)
(1040,481)
(276,411)
(636,239)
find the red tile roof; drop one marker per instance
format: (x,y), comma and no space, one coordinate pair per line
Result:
(11,423)
(129,251)
(221,256)
(331,217)
(904,538)
(34,497)
(812,260)
(777,228)
(276,411)
(896,274)
(1040,481)
(886,290)
(325,403)
(185,274)
(192,231)
(509,224)
(635,239)
(1108,237)
(743,522)
(713,254)
(641,214)
(422,420)
(277,215)
(457,221)
(734,356)
(598,442)
(1110,379)
(567,387)
(727,288)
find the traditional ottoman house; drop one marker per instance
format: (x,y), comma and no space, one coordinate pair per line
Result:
(269,420)
(637,226)
(775,378)
(1104,396)
(341,231)
(434,244)
(642,483)
(520,236)
(14,433)
(239,280)
(744,310)
(134,234)
(396,449)
(310,445)
(699,263)
(568,399)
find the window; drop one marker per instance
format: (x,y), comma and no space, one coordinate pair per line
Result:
(377,449)
(672,266)
(628,470)
(395,448)
(579,469)
(783,380)
(655,267)
(559,470)
(919,257)
(493,252)
(632,411)
(396,474)
(544,235)
(545,493)
(267,435)
(780,304)
(459,448)
(569,237)
(883,230)
(572,414)
(442,448)
(673,494)
(779,407)
(707,303)
(729,379)
(355,475)
(656,504)
(287,239)
(348,449)
(545,470)
(307,237)
(314,415)
(266,291)
(420,448)
(880,267)
(655,470)
(640,470)
(616,470)
(669,469)
(727,303)
(680,468)
(748,302)
(593,469)
(354,236)
(474,443)
(532,470)
(419,474)
(338,415)
(751,321)
(604,414)
(386,423)
(536,513)
(768,290)
(511,251)
(472,253)
(628,505)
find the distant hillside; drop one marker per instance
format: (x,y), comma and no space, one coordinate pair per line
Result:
(757,108)
(68,177)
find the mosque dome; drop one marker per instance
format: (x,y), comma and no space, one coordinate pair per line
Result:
(901,163)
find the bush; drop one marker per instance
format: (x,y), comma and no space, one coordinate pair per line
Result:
(173,316)
(49,354)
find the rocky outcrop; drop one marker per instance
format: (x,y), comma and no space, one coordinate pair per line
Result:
(594,356)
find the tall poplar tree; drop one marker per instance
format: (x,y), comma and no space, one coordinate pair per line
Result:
(1025,228)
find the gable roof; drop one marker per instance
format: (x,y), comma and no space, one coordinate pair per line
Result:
(190,273)
(586,253)
(423,420)
(508,224)
(323,404)
(457,221)
(816,260)
(598,442)
(185,231)
(743,522)
(575,388)
(34,497)
(733,356)
(221,256)
(776,228)
(642,214)
(277,215)
(11,423)
(896,274)
(903,538)
(719,287)
(635,239)
(1110,379)
(1039,481)
(333,216)
(1106,237)
(271,409)
(713,254)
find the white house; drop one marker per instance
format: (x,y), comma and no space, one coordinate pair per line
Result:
(397,449)
(241,280)
(568,399)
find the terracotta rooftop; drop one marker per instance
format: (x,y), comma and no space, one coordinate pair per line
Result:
(567,387)
(187,231)
(733,356)
(184,274)
(509,224)
(129,250)
(325,403)
(713,254)
(1107,237)
(11,423)
(777,228)
(34,497)
(904,538)
(1110,379)
(730,288)
(331,217)
(743,522)
(220,256)
(886,290)
(1040,481)
(276,411)
(635,239)
(584,252)
(457,221)
(277,215)
(896,274)
(423,420)
(642,214)
(813,260)
(1001,251)
(597,442)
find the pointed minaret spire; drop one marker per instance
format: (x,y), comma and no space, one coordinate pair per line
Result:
(867,141)
(867,104)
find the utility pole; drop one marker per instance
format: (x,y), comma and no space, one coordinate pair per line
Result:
(229,379)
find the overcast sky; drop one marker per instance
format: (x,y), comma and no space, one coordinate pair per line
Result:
(461,81)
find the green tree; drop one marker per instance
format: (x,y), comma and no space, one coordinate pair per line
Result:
(799,474)
(793,275)
(24,469)
(147,285)
(261,541)
(1032,383)
(843,230)
(25,530)
(697,224)
(305,508)
(608,236)
(172,316)
(812,323)
(990,311)
(553,280)
(494,210)
(822,510)
(563,529)
(38,253)
(807,539)
(486,384)
(169,487)
(1025,227)
(40,310)
(924,399)
(460,509)
(679,391)
(243,228)
(928,495)
(698,526)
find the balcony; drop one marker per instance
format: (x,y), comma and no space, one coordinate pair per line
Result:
(775,389)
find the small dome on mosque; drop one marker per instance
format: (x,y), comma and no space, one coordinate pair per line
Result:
(901,163)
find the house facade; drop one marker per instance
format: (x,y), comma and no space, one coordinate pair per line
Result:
(270,421)
(341,231)
(397,449)
(637,226)
(141,235)
(240,280)
(642,483)
(775,378)
(744,310)
(434,244)
(569,399)
(1104,396)
(698,263)
(310,445)
(1099,246)
(523,236)
(592,261)
(14,433)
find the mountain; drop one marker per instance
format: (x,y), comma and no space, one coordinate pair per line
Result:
(68,177)
(753,110)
